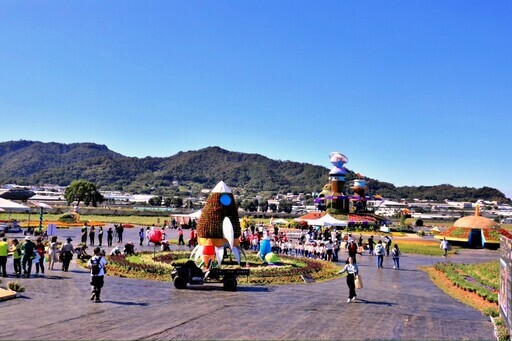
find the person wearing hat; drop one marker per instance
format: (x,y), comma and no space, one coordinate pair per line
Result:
(67,254)
(27,250)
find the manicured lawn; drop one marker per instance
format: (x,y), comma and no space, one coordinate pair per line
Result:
(421,247)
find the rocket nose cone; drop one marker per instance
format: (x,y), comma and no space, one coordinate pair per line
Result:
(221,187)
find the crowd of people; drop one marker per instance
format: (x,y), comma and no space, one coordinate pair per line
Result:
(43,254)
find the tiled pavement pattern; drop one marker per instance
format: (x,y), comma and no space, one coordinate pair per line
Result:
(394,305)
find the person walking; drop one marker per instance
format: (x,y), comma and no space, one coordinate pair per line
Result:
(100,235)
(92,233)
(4,251)
(379,251)
(180,236)
(97,264)
(141,236)
(15,249)
(328,250)
(388,245)
(120,231)
(67,254)
(352,250)
(27,251)
(84,234)
(146,234)
(352,271)
(371,245)
(395,254)
(445,246)
(40,261)
(53,253)
(110,236)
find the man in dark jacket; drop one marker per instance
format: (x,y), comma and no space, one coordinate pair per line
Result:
(27,250)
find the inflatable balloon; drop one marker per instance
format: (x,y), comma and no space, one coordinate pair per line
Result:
(271,258)
(155,236)
(265,246)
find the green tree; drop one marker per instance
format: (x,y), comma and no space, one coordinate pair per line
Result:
(155,201)
(177,202)
(263,204)
(83,190)
(285,206)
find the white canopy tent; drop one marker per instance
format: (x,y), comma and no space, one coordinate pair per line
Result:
(182,219)
(40,204)
(327,220)
(11,206)
(196,215)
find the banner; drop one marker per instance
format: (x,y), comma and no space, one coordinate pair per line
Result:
(505,296)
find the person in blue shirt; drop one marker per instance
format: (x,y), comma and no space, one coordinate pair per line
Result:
(352,270)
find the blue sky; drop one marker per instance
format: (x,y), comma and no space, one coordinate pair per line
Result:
(412,92)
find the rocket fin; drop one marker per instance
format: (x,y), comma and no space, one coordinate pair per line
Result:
(227,231)
(219,251)
(236,252)
(197,252)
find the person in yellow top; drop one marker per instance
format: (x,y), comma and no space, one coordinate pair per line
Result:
(15,249)
(4,250)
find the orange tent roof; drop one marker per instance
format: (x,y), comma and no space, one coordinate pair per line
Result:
(312,215)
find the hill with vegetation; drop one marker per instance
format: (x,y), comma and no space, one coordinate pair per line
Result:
(38,163)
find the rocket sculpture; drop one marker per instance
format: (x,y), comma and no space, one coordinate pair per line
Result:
(218,228)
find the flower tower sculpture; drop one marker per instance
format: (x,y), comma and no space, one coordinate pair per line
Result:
(359,188)
(218,227)
(336,199)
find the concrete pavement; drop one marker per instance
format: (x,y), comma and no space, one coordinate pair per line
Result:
(394,305)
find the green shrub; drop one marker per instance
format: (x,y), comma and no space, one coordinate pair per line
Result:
(493,312)
(67,218)
(15,286)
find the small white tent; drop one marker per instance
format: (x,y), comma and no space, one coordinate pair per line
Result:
(12,206)
(327,220)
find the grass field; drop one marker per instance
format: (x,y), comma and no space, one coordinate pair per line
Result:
(134,219)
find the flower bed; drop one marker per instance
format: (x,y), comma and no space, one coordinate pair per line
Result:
(291,270)
(463,280)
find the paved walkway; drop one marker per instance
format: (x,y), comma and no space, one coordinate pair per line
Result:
(394,305)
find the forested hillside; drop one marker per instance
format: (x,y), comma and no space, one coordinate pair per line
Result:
(38,163)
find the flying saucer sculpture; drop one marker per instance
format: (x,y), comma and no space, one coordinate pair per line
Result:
(218,228)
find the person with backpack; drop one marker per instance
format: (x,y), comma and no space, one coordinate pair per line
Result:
(379,251)
(97,264)
(395,254)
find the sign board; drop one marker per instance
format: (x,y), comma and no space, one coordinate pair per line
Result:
(505,297)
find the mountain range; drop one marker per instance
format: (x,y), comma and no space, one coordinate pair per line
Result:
(37,163)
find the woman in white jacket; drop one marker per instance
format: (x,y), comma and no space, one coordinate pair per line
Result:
(352,270)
